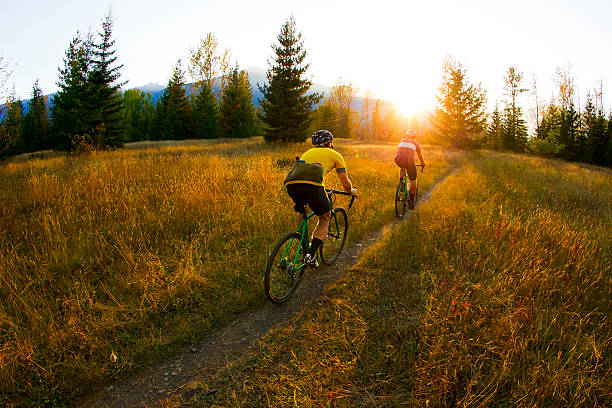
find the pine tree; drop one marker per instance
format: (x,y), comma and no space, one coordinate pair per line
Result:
(173,118)
(36,125)
(608,160)
(71,122)
(377,121)
(459,117)
(514,131)
(286,107)
(494,130)
(138,111)
(205,109)
(236,110)
(595,133)
(568,132)
(11,127)
(325,117)
(104,89)
(551,120)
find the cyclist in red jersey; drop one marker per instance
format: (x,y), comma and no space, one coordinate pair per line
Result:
(404,158)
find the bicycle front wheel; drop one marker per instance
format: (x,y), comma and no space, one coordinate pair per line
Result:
(401,197)
(285,269)
(336,237)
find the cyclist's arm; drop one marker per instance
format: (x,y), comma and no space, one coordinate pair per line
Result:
(346,183)
(418,150)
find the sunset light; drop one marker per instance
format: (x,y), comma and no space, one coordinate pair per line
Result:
(324,203)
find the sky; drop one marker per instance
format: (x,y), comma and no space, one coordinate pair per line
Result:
(393,48)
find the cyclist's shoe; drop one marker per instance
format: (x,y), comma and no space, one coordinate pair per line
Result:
(311,261)
(411,202)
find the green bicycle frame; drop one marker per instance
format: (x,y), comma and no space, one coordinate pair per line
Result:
(303,231)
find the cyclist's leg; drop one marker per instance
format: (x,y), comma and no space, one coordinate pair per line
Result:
(320,230)
(412,175)
(296,192)
(320,205)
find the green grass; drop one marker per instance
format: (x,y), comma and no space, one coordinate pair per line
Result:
(496,293)
(140,252)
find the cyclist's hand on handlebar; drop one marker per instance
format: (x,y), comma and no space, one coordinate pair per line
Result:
(422,167)
(354,192)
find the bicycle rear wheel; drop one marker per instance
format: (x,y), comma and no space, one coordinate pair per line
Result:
(285,268)
(401,198)
(336,237)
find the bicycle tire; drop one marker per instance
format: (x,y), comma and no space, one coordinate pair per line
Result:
(336,237)
(280,279)
(400,200)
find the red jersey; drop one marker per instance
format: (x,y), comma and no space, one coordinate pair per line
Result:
(405,152)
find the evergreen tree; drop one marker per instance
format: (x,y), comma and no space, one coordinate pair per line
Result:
(138,112)
(36,125)
(286,107)
(608,160)
(551,121)
(494,131)
(459,117)
(514,131)
(546,142)
(236,110)
(568,132)
(325,117)
(173,118)
(104,94)
(71,123)
(594,133)
(377,121)
(205,109)
(11,127)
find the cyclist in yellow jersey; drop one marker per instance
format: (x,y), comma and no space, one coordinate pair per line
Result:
(305,186)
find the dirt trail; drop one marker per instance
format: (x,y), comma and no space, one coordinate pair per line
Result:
(159,381)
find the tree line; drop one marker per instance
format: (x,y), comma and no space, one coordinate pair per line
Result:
(562,128)
(90,111)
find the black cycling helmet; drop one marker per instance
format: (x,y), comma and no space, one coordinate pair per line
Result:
(322,138)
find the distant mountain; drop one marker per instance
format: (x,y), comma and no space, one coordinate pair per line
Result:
(257,76)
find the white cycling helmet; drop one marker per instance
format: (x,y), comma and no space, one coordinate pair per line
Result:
(411,133)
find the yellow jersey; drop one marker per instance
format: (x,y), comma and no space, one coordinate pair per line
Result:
(326,157)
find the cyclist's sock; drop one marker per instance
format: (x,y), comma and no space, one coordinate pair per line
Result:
(314,246)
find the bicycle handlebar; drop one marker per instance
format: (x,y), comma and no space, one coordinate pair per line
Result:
(331,191)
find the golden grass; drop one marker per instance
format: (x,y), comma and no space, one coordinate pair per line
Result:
(496,293)
(138,252)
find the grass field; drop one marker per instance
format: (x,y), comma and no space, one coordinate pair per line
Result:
(495,293)
(139,252)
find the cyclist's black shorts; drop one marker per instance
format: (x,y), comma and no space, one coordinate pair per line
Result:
(314,196)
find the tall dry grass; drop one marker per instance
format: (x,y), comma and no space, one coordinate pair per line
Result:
(496,293)
(139,252)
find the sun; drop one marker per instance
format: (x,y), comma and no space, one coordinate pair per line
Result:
(407,107)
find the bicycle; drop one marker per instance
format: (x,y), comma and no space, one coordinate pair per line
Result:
(402,197)
(286,266)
